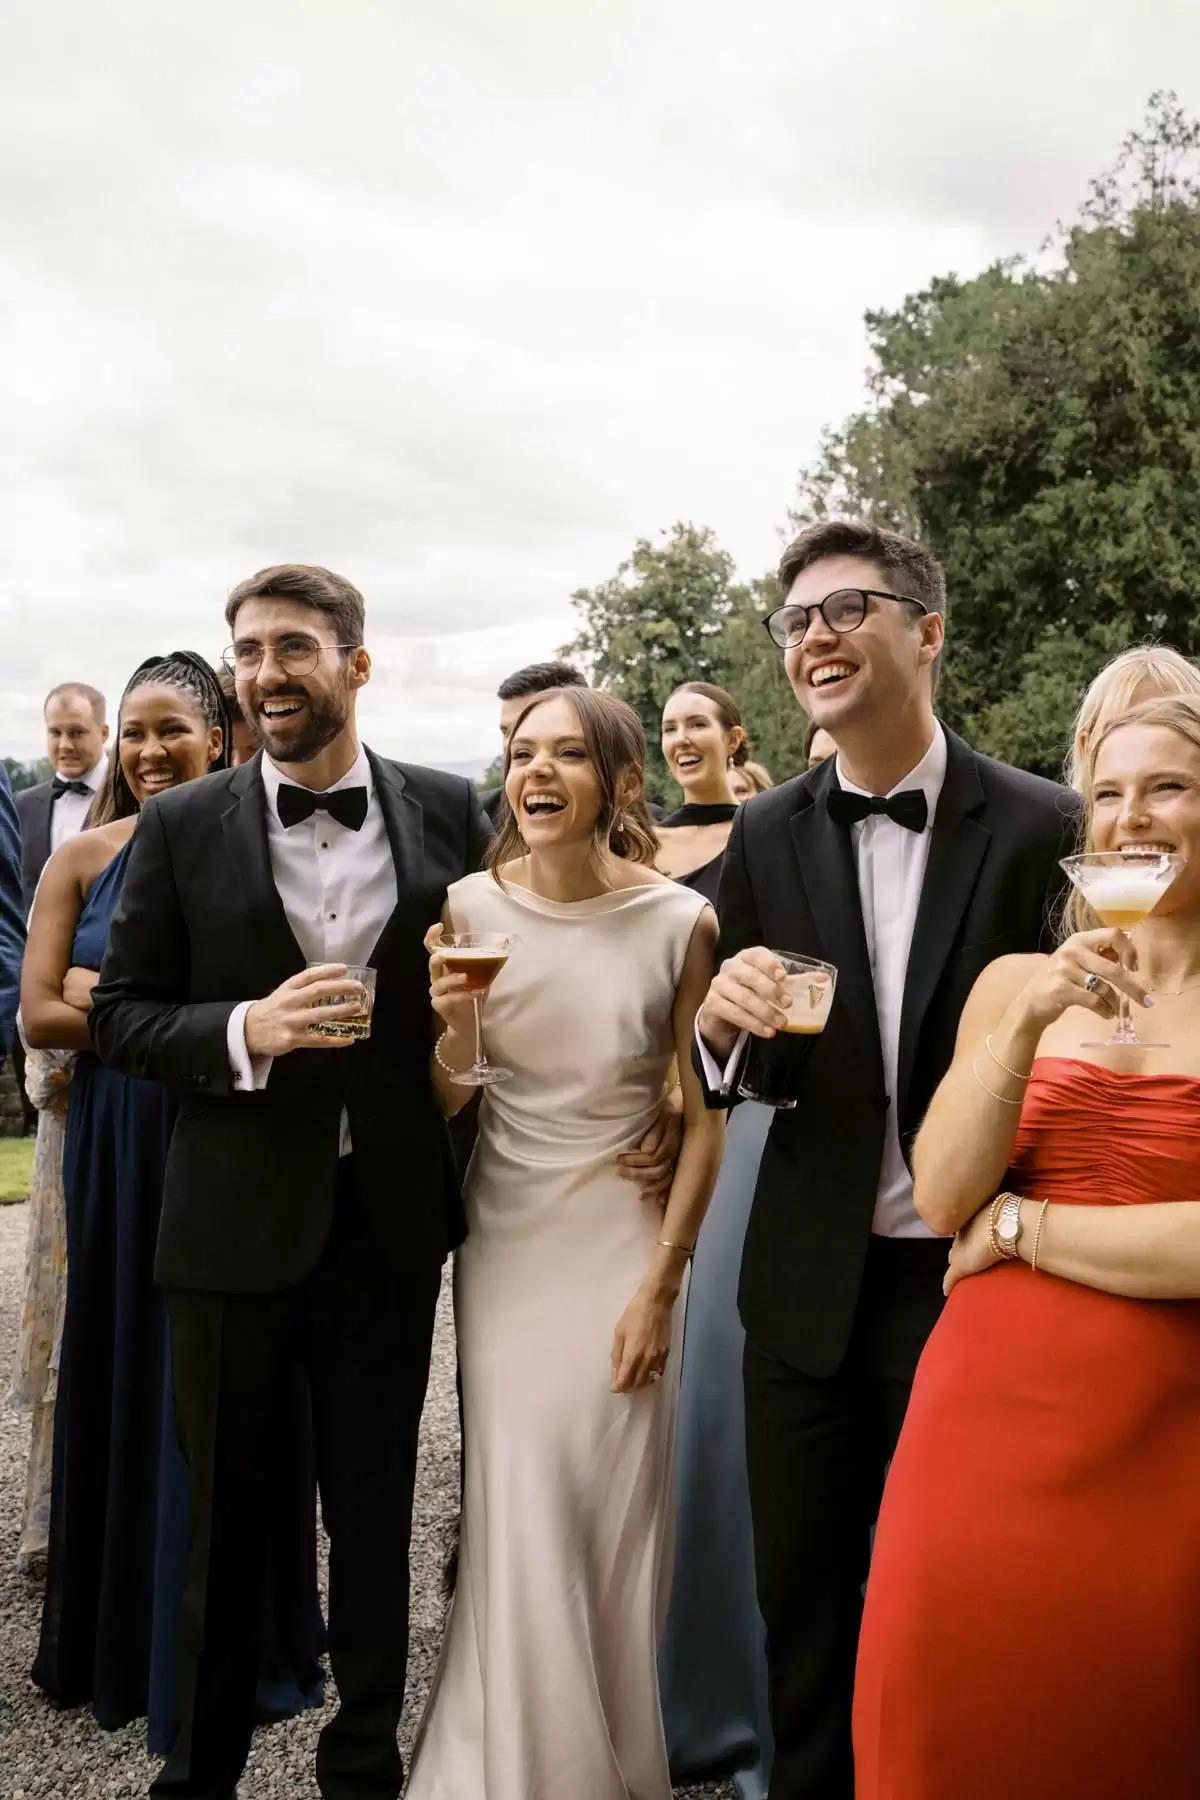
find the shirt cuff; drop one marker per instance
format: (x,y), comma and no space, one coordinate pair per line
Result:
(250,1073)
(719,1079)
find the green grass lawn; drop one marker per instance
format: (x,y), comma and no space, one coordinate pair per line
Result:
(16,1165)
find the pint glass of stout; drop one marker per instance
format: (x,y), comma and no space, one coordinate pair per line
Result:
(773,1067)
(359,1024)
(480,956)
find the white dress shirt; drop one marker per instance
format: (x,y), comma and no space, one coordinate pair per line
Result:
(68,812)
(891,862)
(338,889)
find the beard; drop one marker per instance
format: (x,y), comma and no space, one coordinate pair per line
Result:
(327,718)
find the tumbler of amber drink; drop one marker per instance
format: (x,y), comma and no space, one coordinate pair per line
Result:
(773,1070)
(358,1025)
(479,956)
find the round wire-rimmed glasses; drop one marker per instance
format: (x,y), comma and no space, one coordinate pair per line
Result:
(480,956)
(1122,887)
(843,611)
(295,656)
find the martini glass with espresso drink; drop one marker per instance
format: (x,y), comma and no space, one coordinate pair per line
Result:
(773,1068)
(358,1025)
(480,956)
(1122,887)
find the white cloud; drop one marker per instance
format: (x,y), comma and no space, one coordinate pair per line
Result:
(461,299)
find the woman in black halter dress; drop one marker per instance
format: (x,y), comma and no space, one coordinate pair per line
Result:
(712,1663)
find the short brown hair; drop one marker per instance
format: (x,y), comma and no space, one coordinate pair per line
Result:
(728,712)
(616,744)
(319,588)
(915,571)
(227,682)
(93,696)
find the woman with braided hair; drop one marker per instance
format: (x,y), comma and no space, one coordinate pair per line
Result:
(118,1490)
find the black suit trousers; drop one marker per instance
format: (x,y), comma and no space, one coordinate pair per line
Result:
(817,1451)
(364,1335)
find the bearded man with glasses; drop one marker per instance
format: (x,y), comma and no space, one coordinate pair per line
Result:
(909,862)
(310,1196)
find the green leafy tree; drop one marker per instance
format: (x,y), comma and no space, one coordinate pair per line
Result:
(658,622)
(1038,427)
(27,775)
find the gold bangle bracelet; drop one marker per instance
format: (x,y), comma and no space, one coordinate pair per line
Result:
(666,1244)
(991,1092)
(1015,1073)
(1037,1234)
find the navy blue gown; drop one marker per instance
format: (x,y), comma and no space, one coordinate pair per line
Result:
(712,1660)
(118,1519)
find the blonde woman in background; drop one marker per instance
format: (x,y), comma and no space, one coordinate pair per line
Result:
(1146,672)
(750,779)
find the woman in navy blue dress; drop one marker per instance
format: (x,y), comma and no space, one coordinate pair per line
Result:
(712,1667)
(119,1485)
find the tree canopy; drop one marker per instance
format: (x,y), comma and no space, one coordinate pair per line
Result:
(1038,427)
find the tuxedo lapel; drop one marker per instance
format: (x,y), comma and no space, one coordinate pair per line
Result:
(244,823)
(825,858)
(959,844)
(405,824)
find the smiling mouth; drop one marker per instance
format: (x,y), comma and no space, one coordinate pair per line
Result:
(275,710)
(539,806)
(1146,849)
(829,674)
(688,761)
(158,778)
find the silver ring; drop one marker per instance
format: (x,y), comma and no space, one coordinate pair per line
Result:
(1093,982)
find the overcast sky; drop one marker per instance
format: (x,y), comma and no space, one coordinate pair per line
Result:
(460,297)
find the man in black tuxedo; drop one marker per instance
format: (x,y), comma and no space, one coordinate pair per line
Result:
(310,1196)
(53,811)
(909,862)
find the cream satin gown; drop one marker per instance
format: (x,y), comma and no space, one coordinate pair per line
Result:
(547,1687)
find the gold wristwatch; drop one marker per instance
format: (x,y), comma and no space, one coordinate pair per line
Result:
(1008,1226)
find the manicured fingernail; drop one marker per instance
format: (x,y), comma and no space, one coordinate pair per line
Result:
(1147,999)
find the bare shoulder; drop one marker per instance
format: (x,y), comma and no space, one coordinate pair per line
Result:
(631,875)
(995,989)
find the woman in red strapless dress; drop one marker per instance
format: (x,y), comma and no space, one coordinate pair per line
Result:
(1032,1623)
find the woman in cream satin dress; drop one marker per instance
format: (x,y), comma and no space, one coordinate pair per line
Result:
(567,1287)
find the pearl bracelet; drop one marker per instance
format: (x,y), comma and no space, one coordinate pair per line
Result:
(440,1059)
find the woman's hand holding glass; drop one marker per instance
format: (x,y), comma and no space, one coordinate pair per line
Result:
(450,996)
(1088,969)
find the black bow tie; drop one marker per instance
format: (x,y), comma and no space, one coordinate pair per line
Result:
(908,808)
(347,805)
(59,787)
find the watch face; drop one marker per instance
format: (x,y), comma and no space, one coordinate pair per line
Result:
(1008,1225)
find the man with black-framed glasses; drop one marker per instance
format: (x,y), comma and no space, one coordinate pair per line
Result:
(909,862)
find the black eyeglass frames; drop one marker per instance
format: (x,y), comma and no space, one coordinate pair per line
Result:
(843,611)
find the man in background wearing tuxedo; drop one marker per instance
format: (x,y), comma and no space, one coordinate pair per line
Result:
(310,1196)
(909,862)
(53,811)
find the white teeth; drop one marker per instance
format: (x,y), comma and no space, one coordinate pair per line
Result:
(829,672)
(542,803)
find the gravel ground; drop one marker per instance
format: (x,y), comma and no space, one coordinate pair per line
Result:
(49,1755)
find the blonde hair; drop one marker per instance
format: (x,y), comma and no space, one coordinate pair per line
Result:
(756,775)
(1110,696)
(1171,712)
(616,747)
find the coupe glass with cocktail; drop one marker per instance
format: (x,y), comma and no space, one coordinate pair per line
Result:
(480,956)
(772,1068)
(1122,887)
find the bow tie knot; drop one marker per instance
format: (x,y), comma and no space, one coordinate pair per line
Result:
(908,808)
(60,786)
(347,805)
